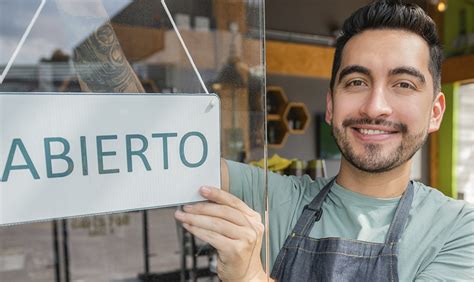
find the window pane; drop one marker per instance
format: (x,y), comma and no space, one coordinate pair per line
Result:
(465,174)
(124,46)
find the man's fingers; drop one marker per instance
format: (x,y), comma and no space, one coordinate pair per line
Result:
(228,249)
(221,197)
(216,240)
(214,224)
(217,210)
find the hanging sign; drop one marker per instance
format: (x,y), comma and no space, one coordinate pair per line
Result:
(65,155)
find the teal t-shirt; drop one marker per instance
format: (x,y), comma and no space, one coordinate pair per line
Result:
(437,244)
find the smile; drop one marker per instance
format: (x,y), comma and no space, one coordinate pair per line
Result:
(372,131)
(374,134)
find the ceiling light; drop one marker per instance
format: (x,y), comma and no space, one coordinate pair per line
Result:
(441,6)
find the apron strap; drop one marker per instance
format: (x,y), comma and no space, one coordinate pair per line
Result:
(401,216)
(312,212)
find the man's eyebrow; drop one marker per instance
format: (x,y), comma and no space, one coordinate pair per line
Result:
(353,69)
(410,71)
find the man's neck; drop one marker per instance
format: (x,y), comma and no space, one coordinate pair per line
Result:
(378,185)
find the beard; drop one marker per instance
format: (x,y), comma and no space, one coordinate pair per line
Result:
(374,159)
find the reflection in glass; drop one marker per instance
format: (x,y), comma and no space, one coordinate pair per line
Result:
(116,46)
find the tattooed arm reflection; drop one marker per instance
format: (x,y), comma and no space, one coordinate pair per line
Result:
(102,66)
(99,60)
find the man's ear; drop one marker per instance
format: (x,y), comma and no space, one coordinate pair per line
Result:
(437,111)
(329,108)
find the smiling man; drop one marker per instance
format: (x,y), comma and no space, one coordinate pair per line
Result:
(383,103)
(370,223)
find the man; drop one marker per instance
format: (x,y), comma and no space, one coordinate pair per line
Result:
(370,223)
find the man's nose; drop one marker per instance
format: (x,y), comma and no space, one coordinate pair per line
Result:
(376,104)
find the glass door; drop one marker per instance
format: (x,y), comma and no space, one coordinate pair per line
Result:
(147,47)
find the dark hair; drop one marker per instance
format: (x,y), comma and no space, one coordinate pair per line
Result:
(392,14)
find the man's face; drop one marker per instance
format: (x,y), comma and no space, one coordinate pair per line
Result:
(382,105)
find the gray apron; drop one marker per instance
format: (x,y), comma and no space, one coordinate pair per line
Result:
(336,259)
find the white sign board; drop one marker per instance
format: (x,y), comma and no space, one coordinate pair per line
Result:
(70,155)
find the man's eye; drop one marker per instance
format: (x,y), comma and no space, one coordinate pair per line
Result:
(405,85)
(356,83)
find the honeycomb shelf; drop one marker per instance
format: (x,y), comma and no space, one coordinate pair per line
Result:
(284,117)
(277,134)
(296,117)
(276,100)
(277,130)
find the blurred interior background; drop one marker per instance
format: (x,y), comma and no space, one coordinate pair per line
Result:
(226,40)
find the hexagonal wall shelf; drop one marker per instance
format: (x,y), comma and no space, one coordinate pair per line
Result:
(284,118)
(276,102)
(277,131)
(296,117)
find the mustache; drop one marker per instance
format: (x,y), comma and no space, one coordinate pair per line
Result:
(398,126)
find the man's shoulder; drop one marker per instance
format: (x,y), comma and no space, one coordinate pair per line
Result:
(424,192)
(430,200)
(439,235)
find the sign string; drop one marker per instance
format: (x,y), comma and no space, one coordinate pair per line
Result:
(184,45)
(22,41)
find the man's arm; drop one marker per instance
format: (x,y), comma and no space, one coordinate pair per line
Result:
(99,60)
(455,260)
(102,66)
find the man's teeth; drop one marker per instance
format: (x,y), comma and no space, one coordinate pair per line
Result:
(372,131)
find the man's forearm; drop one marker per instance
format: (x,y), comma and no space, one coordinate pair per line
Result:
(99,60)
(101,64)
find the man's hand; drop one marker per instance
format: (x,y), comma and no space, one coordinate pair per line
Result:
(231,227)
